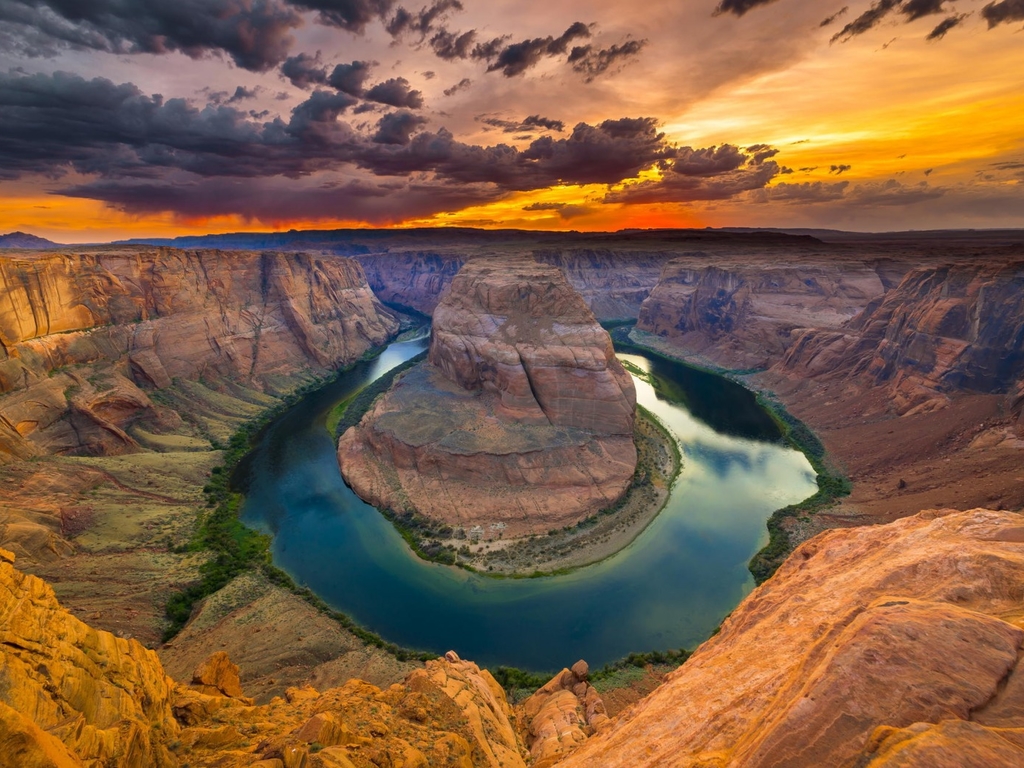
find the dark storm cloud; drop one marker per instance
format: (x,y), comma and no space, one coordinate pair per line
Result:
(945,25)
(452,45)
(459,86)
(526,124)
(55,124)
(256,35)
(593,62)
(739,7)
(395,93)
(398,127)
(915,9)
(352,15)
(835,16)
(421,22)
(52,124)
(1007,10)
(282,200)
(712,173)
(350,78)
(838,170)
(516,58)
(305,71)
(592,154)
(867,20)
(565,211)
(911,10)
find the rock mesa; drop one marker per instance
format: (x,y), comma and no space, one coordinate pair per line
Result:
(520,421)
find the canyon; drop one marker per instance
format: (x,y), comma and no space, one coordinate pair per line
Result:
(125,369)
(519,422)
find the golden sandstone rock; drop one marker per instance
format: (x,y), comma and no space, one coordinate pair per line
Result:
(919,621)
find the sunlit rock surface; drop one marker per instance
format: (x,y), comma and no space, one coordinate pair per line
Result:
(862,636)
(520,422)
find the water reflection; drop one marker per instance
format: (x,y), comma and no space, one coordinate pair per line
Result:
(668,589)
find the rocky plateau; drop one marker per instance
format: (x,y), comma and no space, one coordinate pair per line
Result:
(520,421)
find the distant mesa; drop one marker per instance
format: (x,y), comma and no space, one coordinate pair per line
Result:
(25,240)
(520,421)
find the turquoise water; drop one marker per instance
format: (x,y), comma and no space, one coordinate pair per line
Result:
(670,588)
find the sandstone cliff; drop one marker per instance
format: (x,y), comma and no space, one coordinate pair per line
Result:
(889,645)
(72,696)
(521,421)
(85,337)
(613,282)
(741,312)
(945,329)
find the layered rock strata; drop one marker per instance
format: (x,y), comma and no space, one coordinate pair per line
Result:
(742,313)
(942,330)
(85,338)
(890,645)
(562,714)
(73,696)
(521,421)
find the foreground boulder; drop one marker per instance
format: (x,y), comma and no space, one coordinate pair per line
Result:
(520,422)
(881,646)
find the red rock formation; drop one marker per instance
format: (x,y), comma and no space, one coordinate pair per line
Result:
(521,422)
(139,318)
(942,330)
(741,312)
(860,631)
(562,714)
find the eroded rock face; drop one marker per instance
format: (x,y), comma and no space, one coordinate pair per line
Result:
(520,422)
(70,693)
(519,330)
(860,631)
(742,312)
(84,337)
(942,330)
(562,714)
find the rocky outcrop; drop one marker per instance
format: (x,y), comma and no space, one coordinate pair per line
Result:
(741,313)
(73,696)
(520,422)
(70,694)
(85,337)
(947,329)
(562,714)
(884,645)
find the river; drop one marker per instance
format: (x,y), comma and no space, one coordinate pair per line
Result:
(670,588)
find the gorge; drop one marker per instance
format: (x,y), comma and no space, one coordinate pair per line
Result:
(903,354)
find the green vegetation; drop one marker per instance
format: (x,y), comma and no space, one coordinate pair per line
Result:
(831,487)
(350,412)
(234,549)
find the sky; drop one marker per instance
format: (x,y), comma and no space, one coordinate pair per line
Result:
(131,118)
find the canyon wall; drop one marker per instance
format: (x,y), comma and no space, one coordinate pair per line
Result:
(943,329)
(613,282)
(895,645)
(521,420)
(85,338)
(742,313)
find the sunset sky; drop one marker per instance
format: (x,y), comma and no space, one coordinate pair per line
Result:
(125,118)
